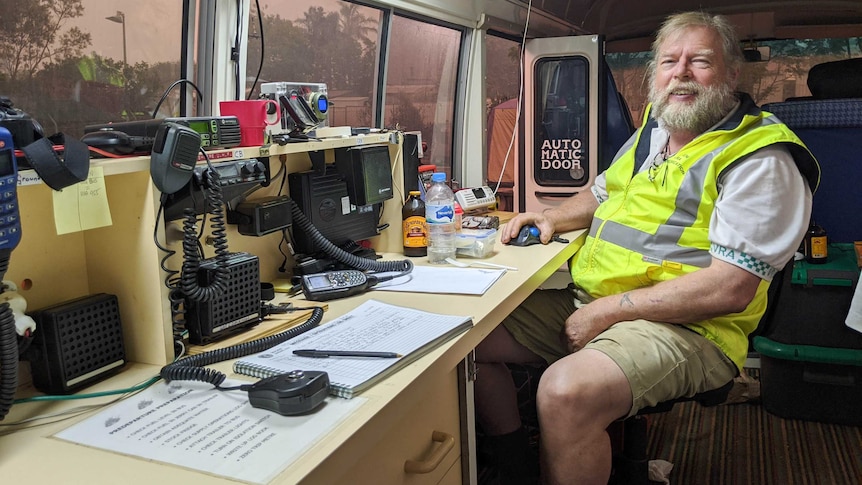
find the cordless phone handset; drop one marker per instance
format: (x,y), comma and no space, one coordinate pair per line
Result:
(10,236)
(10,218)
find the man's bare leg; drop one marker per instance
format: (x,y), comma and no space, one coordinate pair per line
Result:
(579,396)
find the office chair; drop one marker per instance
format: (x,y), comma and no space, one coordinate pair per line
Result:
(830,124)
(631,463)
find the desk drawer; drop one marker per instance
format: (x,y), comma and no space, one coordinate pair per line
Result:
(426,435)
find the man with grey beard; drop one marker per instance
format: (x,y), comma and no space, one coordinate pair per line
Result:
(699,210)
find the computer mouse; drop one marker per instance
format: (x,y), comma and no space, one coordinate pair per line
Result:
(528,236)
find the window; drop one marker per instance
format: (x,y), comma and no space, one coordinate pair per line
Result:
(784,73)
(502,87)
(90,61)
(420,85)
(337,42)
(326,41)
(561,131)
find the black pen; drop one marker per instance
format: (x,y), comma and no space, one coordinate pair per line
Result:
(344,353)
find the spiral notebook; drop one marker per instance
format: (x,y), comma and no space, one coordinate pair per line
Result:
(373,326)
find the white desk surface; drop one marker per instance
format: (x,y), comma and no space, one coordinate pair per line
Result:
(34,456)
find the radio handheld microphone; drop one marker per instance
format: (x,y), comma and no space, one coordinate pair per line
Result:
(174,155)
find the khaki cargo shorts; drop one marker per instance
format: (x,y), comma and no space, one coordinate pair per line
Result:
(661,361)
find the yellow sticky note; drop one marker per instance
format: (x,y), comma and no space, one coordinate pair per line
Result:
(82,206)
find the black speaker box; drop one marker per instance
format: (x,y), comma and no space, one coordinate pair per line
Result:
(76,343)
(412,156)
(367,171)
(324,200)
(236,310)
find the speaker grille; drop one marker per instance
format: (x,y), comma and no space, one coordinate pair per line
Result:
(77,342)
(236,309)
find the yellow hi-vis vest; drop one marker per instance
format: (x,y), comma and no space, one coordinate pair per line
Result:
(654,225)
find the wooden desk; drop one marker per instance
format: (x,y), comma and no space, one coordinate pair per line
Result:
(394,425)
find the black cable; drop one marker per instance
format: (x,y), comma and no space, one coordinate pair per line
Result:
(8,359)
(8,346)
(189,283)
(175,296)
(262,44)
(192,250)
(340,255)
(192,368)
(168,90)
(234,51)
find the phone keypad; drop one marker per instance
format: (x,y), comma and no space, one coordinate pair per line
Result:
(346,278)
(10,220)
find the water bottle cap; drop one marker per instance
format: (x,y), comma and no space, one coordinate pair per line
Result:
(438,177)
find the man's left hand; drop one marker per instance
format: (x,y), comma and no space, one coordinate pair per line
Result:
(582,326)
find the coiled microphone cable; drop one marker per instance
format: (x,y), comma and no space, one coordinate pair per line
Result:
(191,254)
(403,266)
(192,368)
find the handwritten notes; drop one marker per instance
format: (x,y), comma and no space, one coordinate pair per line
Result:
(82,206)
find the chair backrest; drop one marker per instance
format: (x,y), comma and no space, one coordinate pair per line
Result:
(832,130)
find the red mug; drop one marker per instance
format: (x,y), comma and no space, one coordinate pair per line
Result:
(253,118)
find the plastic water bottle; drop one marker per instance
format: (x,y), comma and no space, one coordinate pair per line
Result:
(440,216)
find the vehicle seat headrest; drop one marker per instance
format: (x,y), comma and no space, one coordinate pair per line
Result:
(836,79)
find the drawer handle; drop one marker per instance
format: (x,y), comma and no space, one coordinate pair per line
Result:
(447,442)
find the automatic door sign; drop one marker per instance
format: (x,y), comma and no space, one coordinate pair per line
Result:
(561,162)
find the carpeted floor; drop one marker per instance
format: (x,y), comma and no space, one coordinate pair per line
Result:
(743,444)
(736,444)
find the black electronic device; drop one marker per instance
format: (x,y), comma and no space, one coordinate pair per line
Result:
(23,128)
(527,236)
(299,110)
(412,158)
(238,308)
(215,131)
(118,142)
(123,137)
(296,392)
(335,284)
(174,155)
(10,236)
(10,218)
(139,128)
(76,343)
(235,178)
(324,200)
(261,216)
(367,171)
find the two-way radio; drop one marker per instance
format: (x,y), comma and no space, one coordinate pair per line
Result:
(10,218)
(215,131)
(126,137)
(10,236)
(336,284)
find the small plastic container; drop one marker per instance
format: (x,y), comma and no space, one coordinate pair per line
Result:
(475,243)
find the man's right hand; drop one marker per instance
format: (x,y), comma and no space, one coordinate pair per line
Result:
(511,229)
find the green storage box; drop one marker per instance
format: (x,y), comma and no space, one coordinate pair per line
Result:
(810,361)
(812,302)
(810,383)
